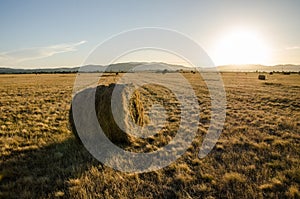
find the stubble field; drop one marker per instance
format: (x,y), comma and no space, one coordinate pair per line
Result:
(257,155)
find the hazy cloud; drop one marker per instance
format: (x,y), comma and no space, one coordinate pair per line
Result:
(21,55)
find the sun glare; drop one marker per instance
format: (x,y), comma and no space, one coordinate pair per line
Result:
(241,47)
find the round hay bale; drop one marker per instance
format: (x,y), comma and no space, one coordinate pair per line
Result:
(105,116)
(131,111)
(261,77)
(103,106)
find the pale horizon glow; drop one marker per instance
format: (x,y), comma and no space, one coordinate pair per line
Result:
(241,46)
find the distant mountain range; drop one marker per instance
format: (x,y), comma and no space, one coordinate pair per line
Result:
(133,67)
(119,67)
(145,66)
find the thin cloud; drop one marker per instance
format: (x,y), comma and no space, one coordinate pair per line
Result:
(293,48)
(27,54)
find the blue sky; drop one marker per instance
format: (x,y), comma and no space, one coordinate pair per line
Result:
(62,33)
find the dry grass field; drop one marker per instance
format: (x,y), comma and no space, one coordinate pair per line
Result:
(257,155)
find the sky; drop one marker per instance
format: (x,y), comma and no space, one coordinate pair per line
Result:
(37,34)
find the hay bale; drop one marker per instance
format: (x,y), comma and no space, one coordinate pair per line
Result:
(261,77)
(103,106)
(105,115)
(152,107)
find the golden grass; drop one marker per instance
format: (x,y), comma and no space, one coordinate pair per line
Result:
(257,155)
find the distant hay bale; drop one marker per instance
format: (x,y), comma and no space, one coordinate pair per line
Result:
(261,77)
(286,73)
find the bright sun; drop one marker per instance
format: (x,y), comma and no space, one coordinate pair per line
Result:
(241,47)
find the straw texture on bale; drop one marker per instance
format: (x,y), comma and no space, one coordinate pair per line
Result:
(106,119)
